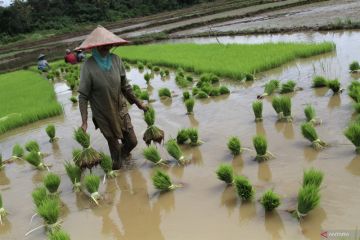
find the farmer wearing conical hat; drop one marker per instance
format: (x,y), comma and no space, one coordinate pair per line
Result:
(103,83)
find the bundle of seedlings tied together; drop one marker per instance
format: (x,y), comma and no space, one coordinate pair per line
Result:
(35,157)
(260,145)
(152,133)
(208,86)
(352,132)
(334,85)
(51,132)
(174,150)
(188,135)
(354,67)
(162,181)
(310,115)
(309,132)
(354,93)
(143,95)
(234,145)
(282,106)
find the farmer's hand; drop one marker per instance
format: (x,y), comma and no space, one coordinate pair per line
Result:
(84,126)
(143,106)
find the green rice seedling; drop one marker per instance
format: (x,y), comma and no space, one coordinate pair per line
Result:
(164,92)
(244,188)
(207,87)
(92,183)
(225,173)
(354,91)
(224,90)
(59,235)
(193,136)
(39,194)
(354,66)
(35,159)
(288,87)
(147,77)
(49,210)
(319,81)
(126,66)
(257,108)
(152,154)
(149,66)
(162,73)
(182,136)
(180,72)
(51,132)
(3,212)
(32,146)
(189,78)
(234,145)
(167,72)
(260,145)
(201,94)
(309,132)
(74,173)
(73,99)
(334,85)
(308,199)
(249,77)
(106,164)
(1,162)
(214,92)
(270,200)
(356,107)
(186,95)
(17,151)
(162,181)
(144,95)
(140,65)
(209,77)
(88,157)
(52,183)
(189,103)
(181,81)
(310,115)
(312,177)
(156,69)
(194,91)
(286,108)
(136,88)
(270,87)
(174,150)
(152,133)
(277,105)
(352,132)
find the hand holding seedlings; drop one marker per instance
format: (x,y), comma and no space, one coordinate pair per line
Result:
(309,132)
(92,183)
(225,173)
(310,115)
(270,200)
(174,150)
(87,157)
(151,153)
(74,173)
(163,182)
(152,133)
(244,189)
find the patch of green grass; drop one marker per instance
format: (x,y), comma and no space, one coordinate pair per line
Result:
(28,98)
(223,60)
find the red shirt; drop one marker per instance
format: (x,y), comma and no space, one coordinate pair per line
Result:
(70,58)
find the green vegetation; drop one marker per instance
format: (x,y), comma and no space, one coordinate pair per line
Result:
(51,132)
(3,212)
(152,133)
(270,200)
(39,194)
(35,159)
(92,183)
(309,132)
(193,136)
(244,188)
(189,103)
(28,98)
(319,81)
(182,136)
(59,235)
(88,157)
(310,115)
(174,150)
(308,199)
(1,162)
(224,90)
(288,87)
(225,173)
(49,210)
(354,66)
(334,85)
(270,87)
(199,57)
(162,181)
(186,95)
(17,151)
(73,99)
(257,108)
(354,91)
(260,145)
(282,106)
(106,164)
(234,145)
(52,182)
(32,146)
(152,154)
(164,92)
(313,177)
(352,132)
(74,173)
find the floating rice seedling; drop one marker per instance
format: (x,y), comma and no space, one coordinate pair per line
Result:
(162,181)
(260,145)
(35,159)
(234,145)
(334,85)
(152,133)
(92,183)
(39,194)
(244,188)
(270,200)
(182,136)
(224,90)
(49,210)
(193,136)
(144,95)
(51,132)
(106,164)
(52,183)
(319,81)
(276,103)
(309,132)
(32,146)
(258,108)
(59,235)
(147,77)
(225,173)
(186,95)
(3,212)
(164,92)
(201,94)
(312,177)
(74,173)
(189,103)
(174,150)
(270,87)
(288,87)
(73,99)
(308,199)
(354,66)
(152,154)
(17,151)
(88,157)
(310,115)
(352,132)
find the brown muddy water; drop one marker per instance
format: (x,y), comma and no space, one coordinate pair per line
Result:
(205,208)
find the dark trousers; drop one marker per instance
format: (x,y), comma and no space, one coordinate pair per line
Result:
(121,151)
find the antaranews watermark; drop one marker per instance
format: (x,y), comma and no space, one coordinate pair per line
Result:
(340,235)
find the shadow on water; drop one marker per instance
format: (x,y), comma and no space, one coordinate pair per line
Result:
(178,171)
(334,101)
(197,158)
(274,225)
(238,164)
(247,211)
(311,227)
(193,121)
(229,199)
(260,130)
(310,154)
(264,172)
(354,166)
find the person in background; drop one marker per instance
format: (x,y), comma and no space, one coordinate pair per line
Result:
(43,65)
(80,56)
(70,57)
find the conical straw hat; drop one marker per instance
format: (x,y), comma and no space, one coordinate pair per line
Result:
(100,37)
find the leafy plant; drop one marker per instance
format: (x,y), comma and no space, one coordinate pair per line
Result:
(51,131)
(308,199)
(319,81)
(244,188)
(189,103)
(352,132)
(174,150)
(309,132)
(52,182)
(225,173)
(88,157)
(182,136)
(74,173)
(288,87)
(257,108)
(162,181)
(234,145)
(313,177)
(164,92)
(152,154)
(260,145)
(334,85)
(270,200)
(310,115)
(92,183)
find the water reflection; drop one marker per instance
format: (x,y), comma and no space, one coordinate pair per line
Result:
(166,101)
(289,131)
(229,199)
(274,225)
(334,101)
(165,201)
(320,92)
(264,172)
(178,171)
(247,211)
(312,226)
(197,156)
(354,166)
(4,180)
(310,154)
(193,121)
(260,130)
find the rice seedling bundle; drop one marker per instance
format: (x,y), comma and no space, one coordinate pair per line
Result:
(356,107)
(225,173)
(182,136)
(1,162)
(17,151)
(59,235)
(135,88)
(209,77)
(162,181)
(167,72)
(257,108)
(152,133)
(152,154)
(74,173)
(147,77)
(189,103)
(92,183)
(49,210)
(276,103)
(207,88)
(193,136)
(106,164)
(286,108)
(214,92)
(174,150)
(334,85)
(52,182)
(224,90)
(244,188)
(156,69)
(270,200)
(354,91)
(32,146)
(73,99)
(354,66)
(88,157)
(186,95)
(164,92)
(149,65)
(260,145)
(249,77)
(308,199)
(126,66)
(234,145)
(319,81)
(51,132)
(288,87)
(309,132)
(140,65)
(3,212)
(312,177)
(162,73)
(310,115)
(144,95)
(270,87)
(189,78)
(35,159)
(195,90)
(39,194)
(180,72)
(181,81)
(352,132)
(201,94)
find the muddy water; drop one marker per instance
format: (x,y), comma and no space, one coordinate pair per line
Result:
(205,208)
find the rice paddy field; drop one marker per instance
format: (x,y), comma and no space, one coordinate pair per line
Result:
(201,206)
